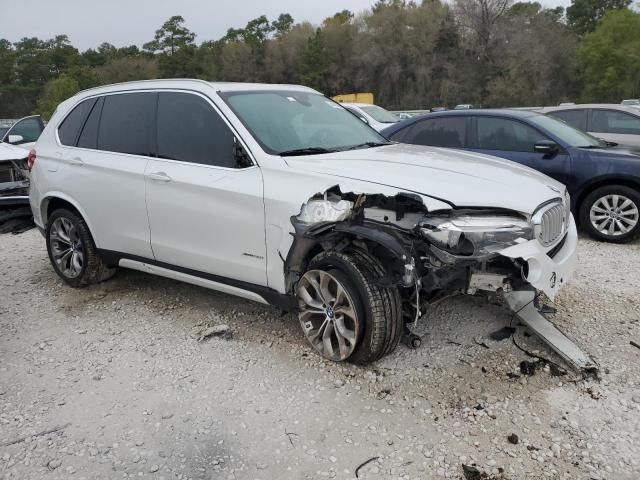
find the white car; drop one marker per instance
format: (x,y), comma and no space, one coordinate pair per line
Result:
(611,122)
(276,194)
(22,133)
(377,117)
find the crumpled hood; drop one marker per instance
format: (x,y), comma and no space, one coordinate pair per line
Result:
(465,179)
(9,152)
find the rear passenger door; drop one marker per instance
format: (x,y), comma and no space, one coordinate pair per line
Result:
(206,212)
(105,143)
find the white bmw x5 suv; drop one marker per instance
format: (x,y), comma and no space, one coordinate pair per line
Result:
(277,194)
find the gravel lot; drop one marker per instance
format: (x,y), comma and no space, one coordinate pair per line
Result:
(119,367)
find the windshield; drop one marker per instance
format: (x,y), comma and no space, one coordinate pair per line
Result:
(288,121)
(379,114)
(565,132)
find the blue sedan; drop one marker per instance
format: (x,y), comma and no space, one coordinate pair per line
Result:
(604,182)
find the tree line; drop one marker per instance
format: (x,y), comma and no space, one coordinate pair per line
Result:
(410,54)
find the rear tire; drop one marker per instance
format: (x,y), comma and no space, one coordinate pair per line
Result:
(72,251)
(611,214)
(377,320)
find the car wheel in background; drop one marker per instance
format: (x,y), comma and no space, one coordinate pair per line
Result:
(72,250)
(612,213)
(344,313)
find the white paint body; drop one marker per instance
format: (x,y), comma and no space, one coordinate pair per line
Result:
(236,223)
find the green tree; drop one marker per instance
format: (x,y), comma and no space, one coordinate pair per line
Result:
(172,36)
(610,57)
(282,25)
(55,92)
(583,15)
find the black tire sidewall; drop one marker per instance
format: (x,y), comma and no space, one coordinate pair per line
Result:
(591,198)
(77,221)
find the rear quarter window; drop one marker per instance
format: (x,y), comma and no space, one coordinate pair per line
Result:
(70,127)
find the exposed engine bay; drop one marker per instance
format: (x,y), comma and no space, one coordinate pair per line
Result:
(434,255)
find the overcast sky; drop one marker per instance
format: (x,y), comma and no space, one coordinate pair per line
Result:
(124,22)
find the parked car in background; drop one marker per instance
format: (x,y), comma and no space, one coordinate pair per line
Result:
(464,106)
(632,102)
(15,214)
(377,117)
(276,194)
(604,183)
(23,132)
(613,123)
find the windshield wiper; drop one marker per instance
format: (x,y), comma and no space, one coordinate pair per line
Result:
(368,145)
(305,151)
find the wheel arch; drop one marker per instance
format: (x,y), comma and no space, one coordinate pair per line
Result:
(603,181)
(338,236)
(56,200)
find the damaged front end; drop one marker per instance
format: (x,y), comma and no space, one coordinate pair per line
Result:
(433,255)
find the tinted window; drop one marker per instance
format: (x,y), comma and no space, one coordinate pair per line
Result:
(30,129)
(575,118)
(190,130)
(611,121)
(89,136)
(439,132)
(506,134)
(70,128)
(126,121)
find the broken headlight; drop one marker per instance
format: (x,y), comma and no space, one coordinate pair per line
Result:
(474,234)
(316,211)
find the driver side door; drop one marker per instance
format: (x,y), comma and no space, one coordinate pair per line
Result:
(514,140)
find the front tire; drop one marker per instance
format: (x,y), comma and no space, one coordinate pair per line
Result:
(611,213)
(72,250)
(345,314)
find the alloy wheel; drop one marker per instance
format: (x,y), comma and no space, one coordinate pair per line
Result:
(67,249)
(614,215)
(327,315)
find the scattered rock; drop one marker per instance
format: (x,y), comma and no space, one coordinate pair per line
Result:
(513,438)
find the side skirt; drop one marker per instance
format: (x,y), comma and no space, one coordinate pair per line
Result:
(250,291)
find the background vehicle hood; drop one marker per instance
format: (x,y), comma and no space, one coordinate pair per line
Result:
(464,179)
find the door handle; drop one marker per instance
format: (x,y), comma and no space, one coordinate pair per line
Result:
(77,161)
(159,176)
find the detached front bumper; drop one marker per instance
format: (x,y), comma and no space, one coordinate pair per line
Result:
(548,269)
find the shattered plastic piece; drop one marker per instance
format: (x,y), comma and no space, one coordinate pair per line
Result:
(528,368)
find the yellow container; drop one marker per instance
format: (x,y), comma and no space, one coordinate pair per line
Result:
(354,98)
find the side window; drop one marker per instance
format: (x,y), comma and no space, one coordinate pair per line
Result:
(29,129)
(190,130)
(89,136)
(438,132)
(126,123)
(575,118)
(70,127)
(612,121)
(506,134)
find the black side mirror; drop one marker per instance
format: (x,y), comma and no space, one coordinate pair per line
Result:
(547,147)
(240,155)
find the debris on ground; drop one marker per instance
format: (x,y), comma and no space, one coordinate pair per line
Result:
(528,368)
(502,334)
(372,459)
(222,331)
(637,345)
(513,438)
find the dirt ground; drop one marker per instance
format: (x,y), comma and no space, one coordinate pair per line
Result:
(118,371)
